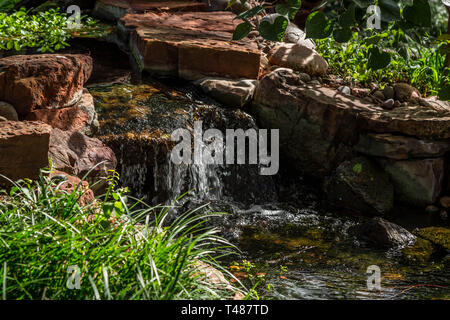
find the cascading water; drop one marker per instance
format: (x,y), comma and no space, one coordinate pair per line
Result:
(136,121)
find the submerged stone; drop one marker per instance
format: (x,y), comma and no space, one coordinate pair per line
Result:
(419,253)
(361,185)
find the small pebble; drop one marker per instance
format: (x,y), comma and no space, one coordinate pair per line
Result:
(304,77)
(388,104)
(344,90)
(314,82)
(388,92)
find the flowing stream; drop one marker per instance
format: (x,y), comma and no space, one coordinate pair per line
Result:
(302,247)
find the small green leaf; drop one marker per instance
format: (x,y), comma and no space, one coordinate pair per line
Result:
(347,19)
(357,168)
(242,30)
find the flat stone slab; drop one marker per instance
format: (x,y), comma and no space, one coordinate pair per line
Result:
(191,45)
(115,9)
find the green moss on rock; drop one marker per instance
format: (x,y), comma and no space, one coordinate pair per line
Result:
(418,253)
(437,235)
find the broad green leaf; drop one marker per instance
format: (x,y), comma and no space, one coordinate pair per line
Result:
(347,19)
(242,30)
(275,31)
(317,26)
(378,59)
(390,11)
(342,35)
(419,13)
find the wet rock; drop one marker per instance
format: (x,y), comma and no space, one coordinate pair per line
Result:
(298,57)
(417,182)
(388,104)
(189,45)
(43,81)
(382,233)
(345,90)
(378,95)
(445,202)
(405,92)
(8,112)
(419,253)
(439,236)
(360,185)
(76,153)
(388,92)
(432,210)
(400,147)
(80,117)
(234,93)
(24,149)
(72,182)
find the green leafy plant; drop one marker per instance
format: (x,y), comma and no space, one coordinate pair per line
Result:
(46,31)
(126,253)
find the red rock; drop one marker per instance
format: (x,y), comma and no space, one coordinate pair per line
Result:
(80,117)
(115,9)
(73,182)
(43,81)
(191,45)
(23,149)
(76,153)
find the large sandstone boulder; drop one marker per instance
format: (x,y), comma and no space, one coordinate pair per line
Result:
(75,153)
(191,45)
(298,57)
(361,185)
(43,81)
(23,149)
(80,117)
(417,182)
(234,93)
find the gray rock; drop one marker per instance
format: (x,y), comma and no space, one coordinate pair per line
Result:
(294,34)
(345,90)
(315,82)
(382,233)
(378,95)
(417,182)
(8,112)
(388,92)
(360,185)
(388,104)
(235,93)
